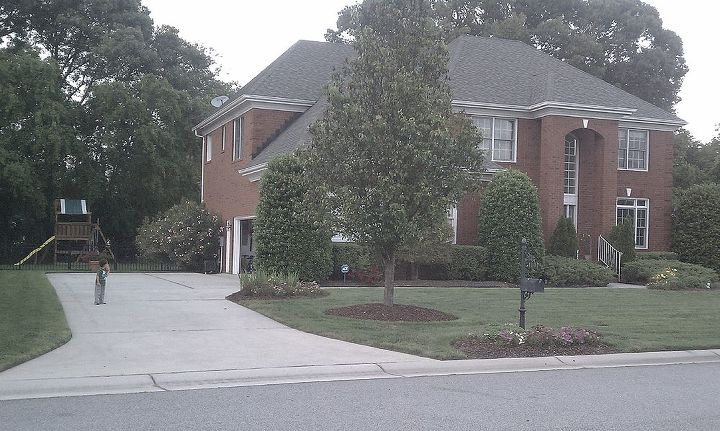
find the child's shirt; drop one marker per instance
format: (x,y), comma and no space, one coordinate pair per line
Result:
(102,275)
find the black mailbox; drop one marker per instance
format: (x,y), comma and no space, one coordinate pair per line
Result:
(534,285)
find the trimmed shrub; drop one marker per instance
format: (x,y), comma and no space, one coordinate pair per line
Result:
(291,233)
(467,262)
(563,241)
(184,235)
(669,274)
(363,266)
(657,255)
(565,271)
(622,237)
(510,211)
(696,225)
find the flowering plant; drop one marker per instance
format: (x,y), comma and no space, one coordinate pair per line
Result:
(544,336)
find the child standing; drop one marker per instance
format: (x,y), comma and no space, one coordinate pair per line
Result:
(100,279)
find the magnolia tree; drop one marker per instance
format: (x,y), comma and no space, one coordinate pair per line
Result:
(186,235)
(390,154)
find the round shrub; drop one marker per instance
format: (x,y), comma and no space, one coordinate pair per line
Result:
(291,233)
(467,262)
(565,271)
(696,225)
(185,235)
(510,211)
(563,241)
(669,274)
(622,237)
(658,255)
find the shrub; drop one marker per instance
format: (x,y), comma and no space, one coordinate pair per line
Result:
(361,261)
(563,241)
(696,225)
(669,274)
(467,262)
(657,255)
(622,237)
(542,336)
(510,211)
(564,271)
(291,233)
(262,284)
(184,235)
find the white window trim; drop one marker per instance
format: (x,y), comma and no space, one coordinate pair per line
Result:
(647,219)
(627,150)
(237,155)
(208,147)
(492,139)
(453,219)
(224,135)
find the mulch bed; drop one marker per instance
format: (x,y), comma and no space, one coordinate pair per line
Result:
(396,313)
(481,348)
(239,296)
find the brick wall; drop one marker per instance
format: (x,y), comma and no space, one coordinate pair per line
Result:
(226,192)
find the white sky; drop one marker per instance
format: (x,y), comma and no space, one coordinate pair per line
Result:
(248,34)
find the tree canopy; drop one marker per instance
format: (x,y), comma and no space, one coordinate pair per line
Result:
(390,152)
(97,103)
(622,42)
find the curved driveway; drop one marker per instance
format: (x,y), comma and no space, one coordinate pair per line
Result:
(163,330)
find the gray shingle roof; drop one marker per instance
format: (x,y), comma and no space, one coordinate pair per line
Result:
(481,69)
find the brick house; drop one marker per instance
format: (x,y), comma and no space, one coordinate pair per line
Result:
(596,153)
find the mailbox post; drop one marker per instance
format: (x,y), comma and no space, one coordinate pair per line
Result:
(528,286)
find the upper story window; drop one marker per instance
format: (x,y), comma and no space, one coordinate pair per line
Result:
(208,148)
(633,149)
(499,138)
(222,144)
(237,139)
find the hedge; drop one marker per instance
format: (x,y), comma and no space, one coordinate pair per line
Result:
(669,274)
(696,225)
(565,271)
(658,255)
(563,241)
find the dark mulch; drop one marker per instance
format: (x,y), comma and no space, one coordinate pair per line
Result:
(481,348)
(395,313)
(239,296)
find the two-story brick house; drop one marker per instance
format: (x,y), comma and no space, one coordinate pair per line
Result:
(596,153)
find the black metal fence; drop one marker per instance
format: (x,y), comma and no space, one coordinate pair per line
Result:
(137,266)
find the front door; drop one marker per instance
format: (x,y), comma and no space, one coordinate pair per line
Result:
(571,178)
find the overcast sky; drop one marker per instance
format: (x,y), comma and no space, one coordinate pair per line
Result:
(248,34)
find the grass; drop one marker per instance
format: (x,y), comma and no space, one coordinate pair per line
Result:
(631,320)
(32,321)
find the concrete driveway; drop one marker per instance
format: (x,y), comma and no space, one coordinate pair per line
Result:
(173,331)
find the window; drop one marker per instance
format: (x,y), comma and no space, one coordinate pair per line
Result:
(632,149)
(637,211)
(452,216)
(222,144)
(499,139)
(208,148)
(237,139)
(570,165)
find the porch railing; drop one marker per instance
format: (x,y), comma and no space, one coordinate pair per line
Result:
(609,255)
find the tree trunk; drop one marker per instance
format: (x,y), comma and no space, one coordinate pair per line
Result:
(389,262)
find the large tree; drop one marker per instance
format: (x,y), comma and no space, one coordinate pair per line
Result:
(621,41)
(100,103)
(390,153)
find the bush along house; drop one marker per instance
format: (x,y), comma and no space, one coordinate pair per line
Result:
(596,153)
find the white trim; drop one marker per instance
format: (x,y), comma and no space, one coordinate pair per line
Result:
(254,173)
(568,110)
(236,241)
(228,244)
(83,205)
(247,102)
(224,137)
(208,147)
(235,152)
(492,137)
(62,206)
(647,218)
(202,172)
(453,218)
(627,151)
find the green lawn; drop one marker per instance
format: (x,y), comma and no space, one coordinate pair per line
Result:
(32,321)
(631,320)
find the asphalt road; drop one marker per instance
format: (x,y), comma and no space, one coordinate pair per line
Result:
(674,397)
